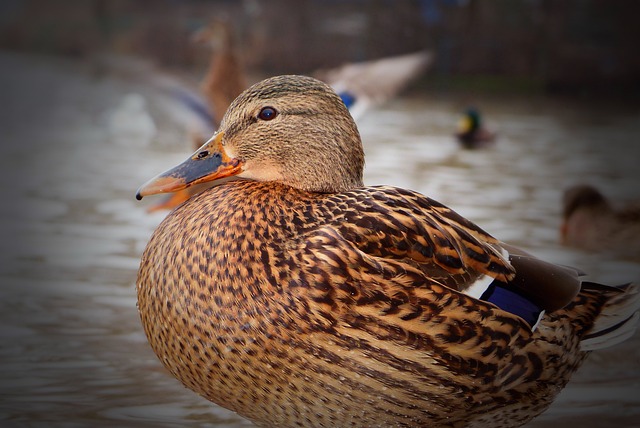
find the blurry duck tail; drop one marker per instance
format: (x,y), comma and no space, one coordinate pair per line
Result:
(618,318)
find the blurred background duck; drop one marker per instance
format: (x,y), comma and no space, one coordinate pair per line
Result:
(296,296)
(367,84)
(590,222)
(225,78)
(471,132)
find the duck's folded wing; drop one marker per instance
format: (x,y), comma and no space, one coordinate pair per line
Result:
(343,286)
(397,224)
(384,307)
(421,234)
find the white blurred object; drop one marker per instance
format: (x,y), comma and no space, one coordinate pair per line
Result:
(130,123)
(363,85)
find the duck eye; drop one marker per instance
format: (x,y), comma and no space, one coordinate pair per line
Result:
(267,113)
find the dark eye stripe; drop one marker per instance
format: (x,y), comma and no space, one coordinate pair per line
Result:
(267,113)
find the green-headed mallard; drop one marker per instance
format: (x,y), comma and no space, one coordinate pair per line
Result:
(471,132)
(590,222)
(299,297)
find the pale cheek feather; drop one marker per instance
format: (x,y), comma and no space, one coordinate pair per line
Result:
(261,171)
(252,170)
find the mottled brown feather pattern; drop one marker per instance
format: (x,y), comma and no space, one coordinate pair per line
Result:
(333,324)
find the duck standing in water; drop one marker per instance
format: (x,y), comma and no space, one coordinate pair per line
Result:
(471,132)
(296,296)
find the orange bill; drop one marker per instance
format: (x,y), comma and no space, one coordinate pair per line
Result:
(210,162)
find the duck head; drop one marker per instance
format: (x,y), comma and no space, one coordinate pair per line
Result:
(470,121)
(290,129)
(585,211)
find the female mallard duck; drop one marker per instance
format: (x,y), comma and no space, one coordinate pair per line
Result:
(299,297)
(590,222)
(471,132)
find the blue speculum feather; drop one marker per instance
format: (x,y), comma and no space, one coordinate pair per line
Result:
(510,301)
(347,98)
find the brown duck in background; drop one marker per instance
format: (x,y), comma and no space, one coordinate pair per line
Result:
(590,222)
(226,78)
(296,296)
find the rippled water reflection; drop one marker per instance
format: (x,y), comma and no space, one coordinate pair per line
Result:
(73,352)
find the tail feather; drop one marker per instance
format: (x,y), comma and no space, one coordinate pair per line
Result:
(617,320)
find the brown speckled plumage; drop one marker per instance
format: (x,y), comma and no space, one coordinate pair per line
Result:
(294,307)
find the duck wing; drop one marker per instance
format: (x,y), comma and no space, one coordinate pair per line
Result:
(402,241)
